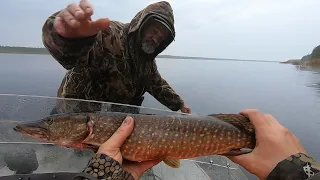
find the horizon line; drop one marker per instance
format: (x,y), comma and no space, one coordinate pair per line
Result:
(162,55)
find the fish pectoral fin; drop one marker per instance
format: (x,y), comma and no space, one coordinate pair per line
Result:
(83,146)
(236,152)
(174,163)
(91,147)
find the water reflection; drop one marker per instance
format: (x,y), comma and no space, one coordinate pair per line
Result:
(313,76)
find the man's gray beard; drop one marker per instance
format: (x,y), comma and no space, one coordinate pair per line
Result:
(148,47)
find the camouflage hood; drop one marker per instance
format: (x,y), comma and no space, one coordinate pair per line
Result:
(162,12)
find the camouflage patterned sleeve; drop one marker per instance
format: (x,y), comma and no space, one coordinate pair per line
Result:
(102,166)
(163,92)
(297,166)
(68,52)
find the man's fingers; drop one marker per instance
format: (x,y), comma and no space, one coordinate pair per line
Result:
(100,24)
(69,18)
(124,131)
(86,7)
(76,11)
(138,168)
(271,120)
(59,25)
(256,117)
(188,110)
(141,167)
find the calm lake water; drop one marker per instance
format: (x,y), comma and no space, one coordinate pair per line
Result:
(292,95)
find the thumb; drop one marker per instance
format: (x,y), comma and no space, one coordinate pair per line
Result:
(100,24)
(124,131)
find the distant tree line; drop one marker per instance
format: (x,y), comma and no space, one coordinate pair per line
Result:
(23,50)
(312,59)
(42,50)
(316,53)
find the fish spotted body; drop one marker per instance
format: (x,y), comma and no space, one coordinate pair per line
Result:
(153,137)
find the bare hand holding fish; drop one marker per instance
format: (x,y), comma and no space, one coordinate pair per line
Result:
(112,148)
(272,138)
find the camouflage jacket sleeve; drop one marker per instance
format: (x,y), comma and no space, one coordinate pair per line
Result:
(69,52)
(102,166)
(298,166)
(163,92)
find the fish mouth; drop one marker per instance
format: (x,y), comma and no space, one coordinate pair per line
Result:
(17,128)
(34,130)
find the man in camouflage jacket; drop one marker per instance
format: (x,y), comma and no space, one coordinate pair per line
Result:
(109,60)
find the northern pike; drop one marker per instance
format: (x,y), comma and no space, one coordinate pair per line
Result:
(169,137)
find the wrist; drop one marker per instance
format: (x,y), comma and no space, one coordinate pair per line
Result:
(101,166)
(297,166)
(261,168)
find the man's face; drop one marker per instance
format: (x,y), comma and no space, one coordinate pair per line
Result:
(152,36)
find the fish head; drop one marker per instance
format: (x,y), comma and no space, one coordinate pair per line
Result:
(64,129)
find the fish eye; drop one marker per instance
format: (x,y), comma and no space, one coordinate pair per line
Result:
(88,119)
(49,121)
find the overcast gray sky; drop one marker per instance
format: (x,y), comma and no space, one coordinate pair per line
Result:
(243,29)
